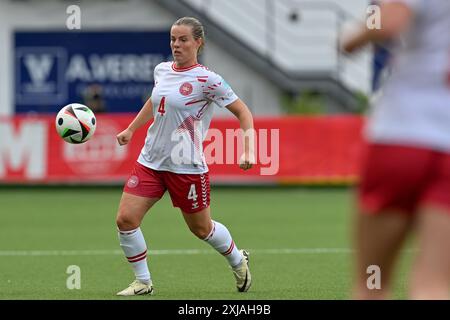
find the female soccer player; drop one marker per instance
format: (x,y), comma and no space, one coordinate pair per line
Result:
(406,171)
(172,157)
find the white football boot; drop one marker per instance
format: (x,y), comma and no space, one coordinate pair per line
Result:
(242,273)
(137,288)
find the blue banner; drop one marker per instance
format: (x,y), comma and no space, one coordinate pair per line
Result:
(107,71)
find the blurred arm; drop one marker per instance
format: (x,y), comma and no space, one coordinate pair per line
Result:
(243,114)
(395,19)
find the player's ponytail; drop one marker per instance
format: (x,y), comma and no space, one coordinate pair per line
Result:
(198,32)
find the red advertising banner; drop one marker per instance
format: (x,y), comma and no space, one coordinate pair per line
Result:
(289,150)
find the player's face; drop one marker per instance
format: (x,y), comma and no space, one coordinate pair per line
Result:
(184,46)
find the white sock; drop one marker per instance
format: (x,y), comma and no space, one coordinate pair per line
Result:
(220,239)
(135,249)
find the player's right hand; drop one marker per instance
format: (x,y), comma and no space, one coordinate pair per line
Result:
(247,160)
(124,137)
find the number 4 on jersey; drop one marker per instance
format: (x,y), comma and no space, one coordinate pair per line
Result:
(162,104)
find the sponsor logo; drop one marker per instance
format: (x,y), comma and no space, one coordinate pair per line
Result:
(52,69)
(40,75)
(100,157)
(23,149)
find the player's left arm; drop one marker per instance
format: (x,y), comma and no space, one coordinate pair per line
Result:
(396,17)
(243,114)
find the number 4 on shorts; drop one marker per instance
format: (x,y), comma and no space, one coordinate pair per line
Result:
(192,195)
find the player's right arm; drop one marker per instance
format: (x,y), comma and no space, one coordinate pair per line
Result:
(142,118)
(396,17)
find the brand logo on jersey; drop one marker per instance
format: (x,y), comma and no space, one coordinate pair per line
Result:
(133,182)
(186,89)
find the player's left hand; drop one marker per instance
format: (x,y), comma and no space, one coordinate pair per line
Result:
(247,161)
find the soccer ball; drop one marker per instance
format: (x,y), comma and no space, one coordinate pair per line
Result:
(76,123)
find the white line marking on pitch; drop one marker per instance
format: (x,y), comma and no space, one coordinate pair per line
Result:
(169,252)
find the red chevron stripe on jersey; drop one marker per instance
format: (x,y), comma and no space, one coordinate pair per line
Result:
(188,125)
(194,101)
(200,112)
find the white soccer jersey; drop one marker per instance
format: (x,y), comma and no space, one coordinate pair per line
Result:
(414,105)
(182,108)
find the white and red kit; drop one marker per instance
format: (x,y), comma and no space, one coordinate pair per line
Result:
(172,157)
(414,106)
(407,163)
(183,107)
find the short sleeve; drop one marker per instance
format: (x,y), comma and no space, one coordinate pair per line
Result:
(219,91)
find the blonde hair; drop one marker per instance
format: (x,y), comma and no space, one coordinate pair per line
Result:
(198,32)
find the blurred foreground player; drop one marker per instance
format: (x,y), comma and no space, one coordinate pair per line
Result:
(405,179)
(181,106)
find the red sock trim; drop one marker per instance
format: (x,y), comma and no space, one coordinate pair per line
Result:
(230,249)
(138,257)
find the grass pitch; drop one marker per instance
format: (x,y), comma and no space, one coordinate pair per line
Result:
(299,242)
